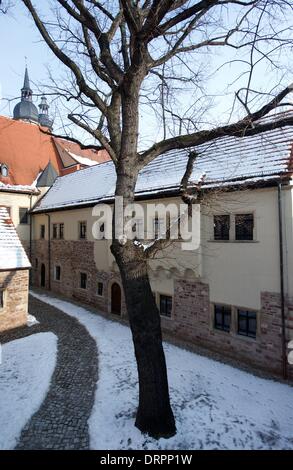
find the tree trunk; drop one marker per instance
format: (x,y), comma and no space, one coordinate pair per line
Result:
(154,414)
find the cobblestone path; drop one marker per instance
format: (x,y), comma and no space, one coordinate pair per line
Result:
(61,421)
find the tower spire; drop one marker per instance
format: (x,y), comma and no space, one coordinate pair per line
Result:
(25,109)
(26,91)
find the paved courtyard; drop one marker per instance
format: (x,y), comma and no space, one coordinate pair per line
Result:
(73,352)
(62,420)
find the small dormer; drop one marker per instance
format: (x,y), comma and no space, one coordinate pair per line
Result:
(4,170)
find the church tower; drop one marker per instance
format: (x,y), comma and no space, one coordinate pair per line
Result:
(44,119)
(25,109)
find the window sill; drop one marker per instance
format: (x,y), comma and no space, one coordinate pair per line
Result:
(233,241)
(222,332)
(165,317)
(246,338)
(234,335)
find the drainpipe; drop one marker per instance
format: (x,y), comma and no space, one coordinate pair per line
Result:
(283,316)
(49,251)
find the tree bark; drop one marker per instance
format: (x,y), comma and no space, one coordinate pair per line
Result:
(154,413)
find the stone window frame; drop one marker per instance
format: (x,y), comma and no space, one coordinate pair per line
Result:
(158,299)
(80,223)
(56,227)
(86,281)
(228,216)
(55,272)
(232,228)
(42,231)
(55,231)
(234,321)
(103,288)
(256,319)
(230,307)
(61,224)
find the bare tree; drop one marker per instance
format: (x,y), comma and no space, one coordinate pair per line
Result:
(121,52)
(5,6)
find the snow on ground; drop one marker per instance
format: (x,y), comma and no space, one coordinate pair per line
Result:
(25,374)
(216,406)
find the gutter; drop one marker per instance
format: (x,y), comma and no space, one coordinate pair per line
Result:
(282,289)
(167,193)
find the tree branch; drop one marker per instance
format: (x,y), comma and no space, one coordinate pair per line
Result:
(244,127)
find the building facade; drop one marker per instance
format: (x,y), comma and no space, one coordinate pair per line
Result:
(233,294)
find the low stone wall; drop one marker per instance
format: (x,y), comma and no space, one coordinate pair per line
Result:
(15,287)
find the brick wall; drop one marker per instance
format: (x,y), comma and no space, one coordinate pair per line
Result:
(74,257)
(15,285)
(193,321)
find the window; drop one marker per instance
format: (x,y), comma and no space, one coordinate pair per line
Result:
(158,227)
(244,227)
(4,170)
(55,231)
(1,299)
(100,289)
(102,231)
(221,227)
(222,319)
(57,273)
(61,231)
(247,323)
(166,305)
(83,280)
(42,231)
(23,215)
(82,230)
(137,228)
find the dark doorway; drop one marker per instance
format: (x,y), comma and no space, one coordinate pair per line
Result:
(116,299)
(43,275)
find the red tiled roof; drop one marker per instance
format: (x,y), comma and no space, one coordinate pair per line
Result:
(26,150)
(96,155)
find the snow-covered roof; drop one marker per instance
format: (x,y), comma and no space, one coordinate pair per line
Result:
(222,162)
(82,160)
(12,253)
(19,188)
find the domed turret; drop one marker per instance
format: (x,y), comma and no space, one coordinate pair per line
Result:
(44,119)
(26,109)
